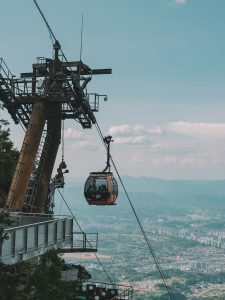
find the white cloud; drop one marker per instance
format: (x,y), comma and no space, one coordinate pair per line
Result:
(135,140)
(176,150)
(88,145)
(71,133)
(134,134)
(198,129)
(180,2)
(129,130)
(76,139)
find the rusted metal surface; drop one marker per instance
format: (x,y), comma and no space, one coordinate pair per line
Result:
(27,156)
(55,90)
(54,132)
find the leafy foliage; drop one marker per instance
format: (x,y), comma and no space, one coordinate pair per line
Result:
(8,156)
(5,220)
(37,281)
(13,278)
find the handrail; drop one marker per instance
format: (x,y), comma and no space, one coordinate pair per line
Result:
(9,77)
(31,225)
(2,63)
(126,293)
(122,291)
(33,239)
(38,215)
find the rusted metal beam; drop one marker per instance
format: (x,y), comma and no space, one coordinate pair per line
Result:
(30,99)
(27,157)
(54,133)
(81,72)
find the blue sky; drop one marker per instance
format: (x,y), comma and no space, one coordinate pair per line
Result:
(166,107)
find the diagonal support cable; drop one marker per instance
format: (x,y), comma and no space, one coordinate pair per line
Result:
(151,250)
(98,259)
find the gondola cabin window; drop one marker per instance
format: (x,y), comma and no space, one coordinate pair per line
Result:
(114,187)
(101,189)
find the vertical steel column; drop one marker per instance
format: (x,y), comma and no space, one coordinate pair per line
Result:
(56,232)
(46,234)
(36,236)
(54,132)
(71,232)
(25,241)
(27,157)
(13,243)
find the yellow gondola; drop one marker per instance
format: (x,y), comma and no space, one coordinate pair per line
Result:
(101,187)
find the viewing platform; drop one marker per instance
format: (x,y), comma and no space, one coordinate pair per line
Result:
(104,291)
(32,235)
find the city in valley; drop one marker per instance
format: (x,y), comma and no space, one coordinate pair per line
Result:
(186,232)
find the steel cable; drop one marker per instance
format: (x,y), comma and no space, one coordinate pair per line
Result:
(98,259)
(169,291)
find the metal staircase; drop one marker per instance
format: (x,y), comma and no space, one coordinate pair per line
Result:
(8,93)
(37,172)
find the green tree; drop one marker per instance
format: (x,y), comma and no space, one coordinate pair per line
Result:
(5,221)
(8,156)
(30,281)
(45,279)
(13,279)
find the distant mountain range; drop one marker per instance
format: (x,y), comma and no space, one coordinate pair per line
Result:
(175,187)
(150,196)
(167,187)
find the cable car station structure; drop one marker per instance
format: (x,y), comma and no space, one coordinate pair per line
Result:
(55,90)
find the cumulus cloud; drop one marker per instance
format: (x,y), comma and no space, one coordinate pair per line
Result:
(180,2)
(175,150)
(71,133)
(76,139)
(88,145)
(134,134)
(198,129)
(140,134)
(129,130)
(132,140)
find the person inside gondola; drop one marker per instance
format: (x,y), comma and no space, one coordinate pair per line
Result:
(89,191)
(94,191)
(102,191)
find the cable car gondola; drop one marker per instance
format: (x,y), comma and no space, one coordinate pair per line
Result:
(101,187)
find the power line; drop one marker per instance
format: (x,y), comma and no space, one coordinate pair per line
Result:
(63,133)
(102,138)
(81,37)
(54,37)
(45,20)
(169,291)
(75,80)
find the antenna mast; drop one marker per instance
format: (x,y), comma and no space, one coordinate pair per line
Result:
(81,36)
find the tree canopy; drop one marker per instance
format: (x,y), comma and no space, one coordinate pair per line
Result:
(8,156)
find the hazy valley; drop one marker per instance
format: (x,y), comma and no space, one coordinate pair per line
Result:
(185,223)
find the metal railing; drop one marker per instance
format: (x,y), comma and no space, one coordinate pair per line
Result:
(83,242)
(104,291)
(8,77)
(4,68)
(32,235)
(27,241)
